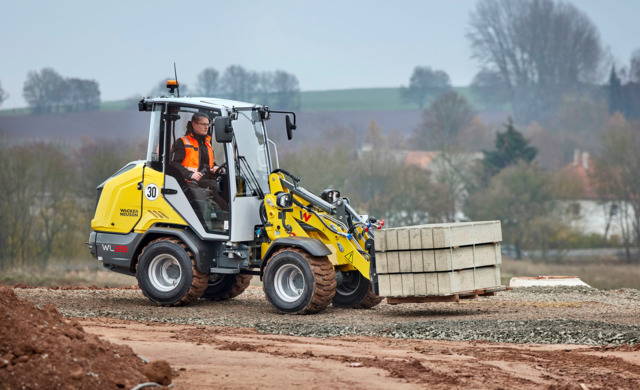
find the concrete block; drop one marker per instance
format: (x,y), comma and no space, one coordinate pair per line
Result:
(381,263)
(467,257)
(417,264)
(404,258)
(384,285)
(428,260)
(415,238)
(467,280)
(426,237)
(380,240)
(467,233)
(432,283)
(395,285)
(403,238)
(408,287)
(420,284)
(437,236)
(438,283)
(393,262)
(392,239)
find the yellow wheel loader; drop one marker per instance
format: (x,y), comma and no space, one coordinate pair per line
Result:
(182,243)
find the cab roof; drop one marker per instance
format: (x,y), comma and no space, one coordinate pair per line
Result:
(205,102)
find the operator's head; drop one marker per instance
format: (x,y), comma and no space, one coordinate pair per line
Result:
(199,124)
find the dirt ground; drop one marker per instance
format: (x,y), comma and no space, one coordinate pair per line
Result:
(236,344)
(238,358)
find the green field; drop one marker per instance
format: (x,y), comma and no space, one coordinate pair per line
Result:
(333,100)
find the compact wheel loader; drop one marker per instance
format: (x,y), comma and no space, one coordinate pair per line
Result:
(310,251)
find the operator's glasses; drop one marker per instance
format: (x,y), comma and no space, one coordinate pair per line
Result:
(203,124)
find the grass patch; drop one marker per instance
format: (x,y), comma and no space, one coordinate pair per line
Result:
(363,99)
(77,273)
(601,274)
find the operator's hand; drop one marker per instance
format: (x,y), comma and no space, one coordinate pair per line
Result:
(214,169)
(196,176)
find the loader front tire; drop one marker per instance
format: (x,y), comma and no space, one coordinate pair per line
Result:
(295,282)
(355,292)
(167,274)
(223,287)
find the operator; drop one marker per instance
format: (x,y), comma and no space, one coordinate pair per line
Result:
(192,155)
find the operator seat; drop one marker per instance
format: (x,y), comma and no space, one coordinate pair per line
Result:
(175,173)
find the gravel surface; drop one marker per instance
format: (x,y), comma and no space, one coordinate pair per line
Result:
(538,315)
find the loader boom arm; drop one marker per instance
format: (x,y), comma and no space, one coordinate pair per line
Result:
(336,225)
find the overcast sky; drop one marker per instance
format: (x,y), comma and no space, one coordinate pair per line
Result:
(129,46)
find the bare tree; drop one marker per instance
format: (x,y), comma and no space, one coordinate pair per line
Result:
(425,82)
(43,90)
(286,89)
(634,69)
(540,48)
(208,82)
(55,205)
(18,172)
(3,95)
(80,95)
(489,88)
(265,88)
(239,83)
(442,121)
(617,176)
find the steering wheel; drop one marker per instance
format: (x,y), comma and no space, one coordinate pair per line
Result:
(222,169)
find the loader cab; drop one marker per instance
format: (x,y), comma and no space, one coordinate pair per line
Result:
(244,165)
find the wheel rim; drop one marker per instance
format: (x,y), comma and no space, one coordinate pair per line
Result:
(351,283)
(215,279)
(289,283)
(165,272)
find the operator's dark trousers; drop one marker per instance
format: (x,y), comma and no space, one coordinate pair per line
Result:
(200,193)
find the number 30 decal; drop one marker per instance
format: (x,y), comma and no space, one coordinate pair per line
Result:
(151,192)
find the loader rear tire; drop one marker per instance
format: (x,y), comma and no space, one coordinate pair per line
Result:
(223,287)
(167,274)
(297,283)
(355,292)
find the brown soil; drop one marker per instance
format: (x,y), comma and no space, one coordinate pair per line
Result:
(39,345)
(239,358)
(40,349)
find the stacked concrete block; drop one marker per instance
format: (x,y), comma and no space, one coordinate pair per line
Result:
(438,259)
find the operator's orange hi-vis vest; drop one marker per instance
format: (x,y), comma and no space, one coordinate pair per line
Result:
(192,155)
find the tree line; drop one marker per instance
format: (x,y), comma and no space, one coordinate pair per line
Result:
(50,196)
(500,179)
(278,89)
(48,92)
(534,55)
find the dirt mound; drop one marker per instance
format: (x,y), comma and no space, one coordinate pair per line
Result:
(40,349)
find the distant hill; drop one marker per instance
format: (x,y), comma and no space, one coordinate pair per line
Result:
(320,111)
(331,100)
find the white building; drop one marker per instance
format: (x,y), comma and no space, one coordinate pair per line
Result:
(588,213)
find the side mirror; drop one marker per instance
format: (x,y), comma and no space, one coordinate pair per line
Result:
(223,129)
(290,126)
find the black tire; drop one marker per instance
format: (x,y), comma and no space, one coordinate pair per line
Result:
(223,287)
(167,274)
(298,283)
(355,292)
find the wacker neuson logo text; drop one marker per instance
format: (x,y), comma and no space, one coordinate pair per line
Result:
(128,212)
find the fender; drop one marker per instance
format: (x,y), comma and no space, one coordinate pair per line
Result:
(313,246)
(203,252)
